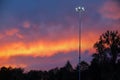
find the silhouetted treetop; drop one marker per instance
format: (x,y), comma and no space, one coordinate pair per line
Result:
(68,66)
(108,47)
(84,65)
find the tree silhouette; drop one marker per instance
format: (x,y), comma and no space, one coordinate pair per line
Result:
(17,74)
(68,66)
(66,72)
(108,47)
(84,66)
(53,74)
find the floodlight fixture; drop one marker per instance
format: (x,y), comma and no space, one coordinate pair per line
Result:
(80,9)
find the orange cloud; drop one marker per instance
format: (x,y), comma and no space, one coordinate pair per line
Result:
(88,41)
(39,48)
(45,48)
(110,9)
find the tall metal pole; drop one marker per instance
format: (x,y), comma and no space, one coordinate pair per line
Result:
(80,10)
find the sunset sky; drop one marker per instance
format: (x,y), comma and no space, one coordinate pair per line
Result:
(43,34)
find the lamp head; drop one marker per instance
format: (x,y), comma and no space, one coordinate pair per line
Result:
(80,9)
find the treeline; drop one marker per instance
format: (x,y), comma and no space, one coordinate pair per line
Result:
(64,73)
(105,64)
(95,71)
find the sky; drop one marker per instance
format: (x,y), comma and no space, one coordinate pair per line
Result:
(43,34)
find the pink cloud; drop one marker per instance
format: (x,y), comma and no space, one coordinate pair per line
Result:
(111,10)
(26,24)
(1,36)
(11,32)
(19,35)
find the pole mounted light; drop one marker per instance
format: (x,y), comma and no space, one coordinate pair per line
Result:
(80,10)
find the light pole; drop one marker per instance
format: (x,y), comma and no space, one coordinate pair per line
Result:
(80,11)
